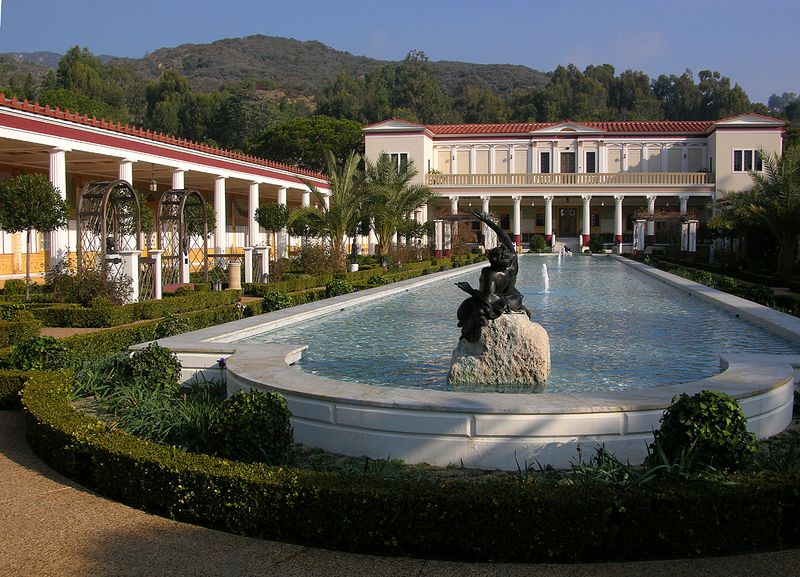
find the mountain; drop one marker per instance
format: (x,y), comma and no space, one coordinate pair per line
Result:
(293,65)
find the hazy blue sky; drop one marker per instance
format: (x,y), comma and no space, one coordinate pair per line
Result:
(754,42)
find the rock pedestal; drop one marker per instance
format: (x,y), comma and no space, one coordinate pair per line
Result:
(512,350)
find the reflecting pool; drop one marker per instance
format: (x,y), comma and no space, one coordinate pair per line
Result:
(610,327)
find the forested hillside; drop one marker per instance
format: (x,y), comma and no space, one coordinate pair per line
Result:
(258,93)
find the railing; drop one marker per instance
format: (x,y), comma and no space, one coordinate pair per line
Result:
(572,178)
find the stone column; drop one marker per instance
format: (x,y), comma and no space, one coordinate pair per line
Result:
(125,171)
(59,238)
(253,230)
(447,238)
(264,250)
(248,264)
(485,210)
(220,234)
(130,268)
(684,200)
(178,176)
(651,225)
(618,230)
(516,224)
(283,249)
(155,254)
(439,238)
(587,220)
(548,219)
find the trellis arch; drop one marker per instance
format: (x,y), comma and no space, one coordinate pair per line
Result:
(181,229)
(109,221)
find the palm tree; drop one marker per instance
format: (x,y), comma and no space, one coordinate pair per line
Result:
(773,203)
(340,214)
(391,197)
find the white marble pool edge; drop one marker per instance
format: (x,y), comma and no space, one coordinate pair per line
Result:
(483,430)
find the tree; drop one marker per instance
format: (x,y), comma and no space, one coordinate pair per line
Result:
(272,217)
(28,202)
(343,213)
(304,141)
(391,197)
(773,203)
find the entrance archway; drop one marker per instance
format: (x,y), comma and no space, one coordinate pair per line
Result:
(182,233)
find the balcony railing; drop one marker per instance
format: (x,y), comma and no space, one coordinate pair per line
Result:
(572,179)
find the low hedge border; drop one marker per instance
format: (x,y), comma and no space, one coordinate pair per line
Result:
(70,315)
(11,384)
(15,331)
(504,521)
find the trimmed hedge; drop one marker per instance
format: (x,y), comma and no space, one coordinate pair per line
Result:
(11,384)
(503,520)
(70,315)
(15,331)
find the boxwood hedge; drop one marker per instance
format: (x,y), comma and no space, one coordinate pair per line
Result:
(504,520)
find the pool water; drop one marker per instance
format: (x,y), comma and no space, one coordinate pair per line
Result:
(611,328)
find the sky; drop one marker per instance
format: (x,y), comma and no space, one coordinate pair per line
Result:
(752,42)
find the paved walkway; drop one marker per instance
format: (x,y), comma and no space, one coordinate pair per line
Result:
(50,526)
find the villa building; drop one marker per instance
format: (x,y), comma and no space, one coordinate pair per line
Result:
(571,180)
(74,150)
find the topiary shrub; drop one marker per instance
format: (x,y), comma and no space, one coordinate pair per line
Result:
(337,286)
(171,325)
(710,427)
(253,427)
(40,354)
(537,244)
(275,300)
(155,368)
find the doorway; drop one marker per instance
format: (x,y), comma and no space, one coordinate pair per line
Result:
(567,222)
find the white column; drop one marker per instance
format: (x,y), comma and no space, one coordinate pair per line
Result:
(651,225)
(548,218)
(684,200)
(220,234)
(283,250)
(624,167)
(126,170)
(602,156)
(516,222)
(306,199)
(178,179)
(59,238)
(130,268)
(555,159)
(664,158)
(439,238)
(485,210)
(254,232)
(587,219)
(618,198)
(155,254)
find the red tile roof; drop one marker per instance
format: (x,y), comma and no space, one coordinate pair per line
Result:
(658,126)
(139,132)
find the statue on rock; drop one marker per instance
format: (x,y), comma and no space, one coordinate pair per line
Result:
(496,293)
(499,345)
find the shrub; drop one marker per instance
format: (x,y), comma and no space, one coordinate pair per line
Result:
(596,243)
(22,329)
(155,368)
(40,354)
(711,426)
(274,301)
(337,286)
(11,383)
(537,244)
(86,286)
(253,427)
(14,286)
(171,325)
(382,279)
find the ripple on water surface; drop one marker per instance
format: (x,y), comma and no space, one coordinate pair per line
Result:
(611,328)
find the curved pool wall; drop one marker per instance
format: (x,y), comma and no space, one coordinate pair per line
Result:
(486,430)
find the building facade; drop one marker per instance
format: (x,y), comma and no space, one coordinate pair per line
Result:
(571,180)
(72,150)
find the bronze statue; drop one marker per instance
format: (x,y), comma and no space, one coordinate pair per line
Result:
(496,293)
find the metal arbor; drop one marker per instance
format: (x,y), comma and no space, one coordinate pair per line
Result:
(110,221)
(182,229)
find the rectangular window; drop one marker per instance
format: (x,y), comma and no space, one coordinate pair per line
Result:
(399,160)
(544,162)
(591,161)
(540,219)
(594,219)
(746,160)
